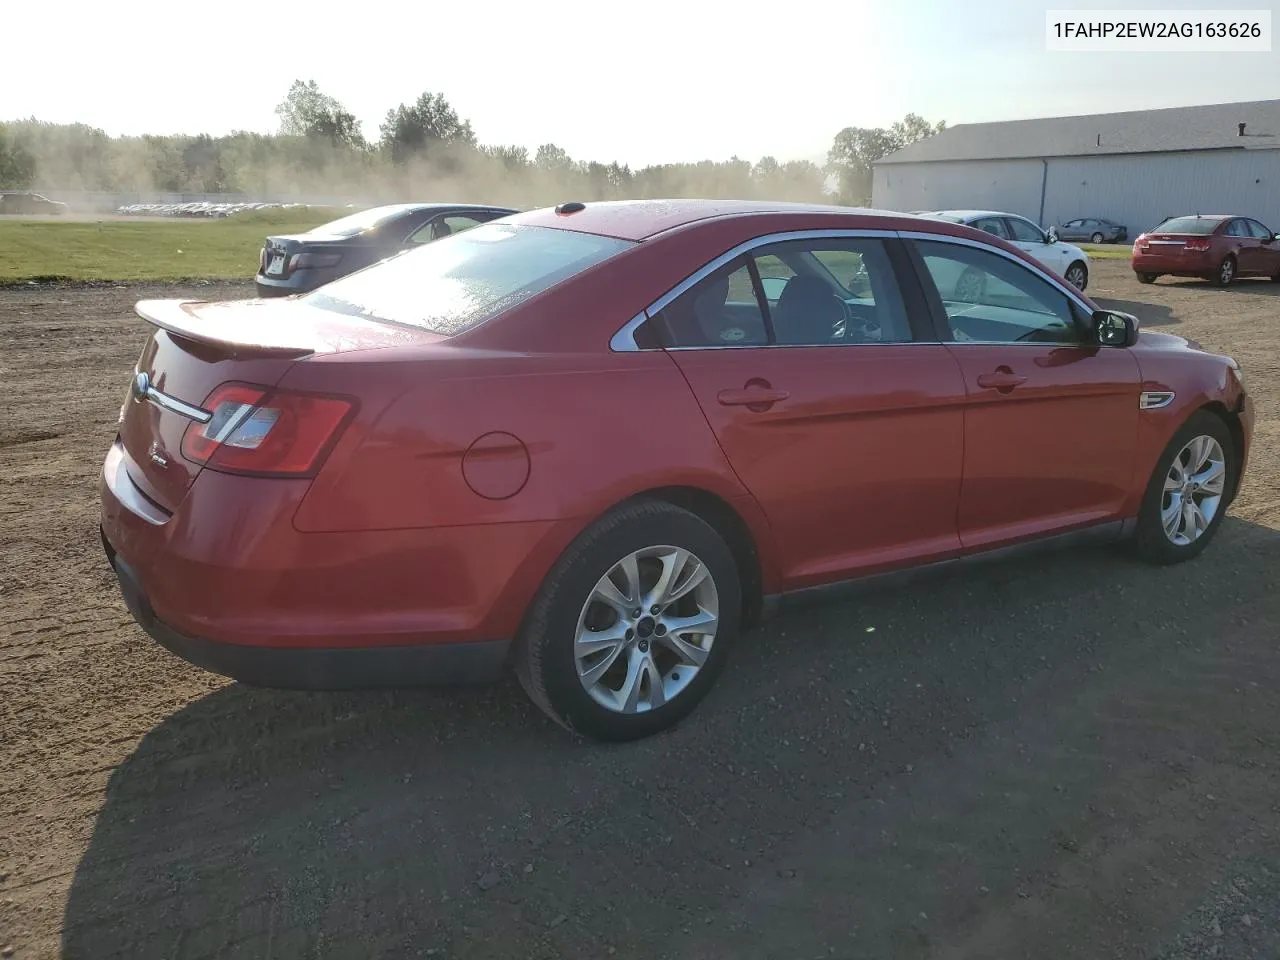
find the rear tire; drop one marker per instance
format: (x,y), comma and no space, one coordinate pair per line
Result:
(1168,531)
(1147,277)
(1226,271)
(570,630)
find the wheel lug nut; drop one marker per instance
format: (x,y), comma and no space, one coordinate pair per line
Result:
(637,612)
(660,630)
(655,610)
(644,646)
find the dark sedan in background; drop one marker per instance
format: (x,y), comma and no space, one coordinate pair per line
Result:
(23,202)
(300,262)
(1094,230)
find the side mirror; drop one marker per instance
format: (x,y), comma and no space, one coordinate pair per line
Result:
(1051,235)
(773,287)
(1114,329)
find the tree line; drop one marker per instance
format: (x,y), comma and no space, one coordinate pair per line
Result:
(424,150)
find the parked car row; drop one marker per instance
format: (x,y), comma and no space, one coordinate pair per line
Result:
(199,208)
(1217,247)
(416,473)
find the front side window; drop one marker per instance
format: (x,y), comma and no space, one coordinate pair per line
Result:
(825,292)
(1024,231)
(1259,231)
(991,299)
(456,283)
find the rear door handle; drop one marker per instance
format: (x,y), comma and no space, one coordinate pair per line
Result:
(1003,379)
(762,397)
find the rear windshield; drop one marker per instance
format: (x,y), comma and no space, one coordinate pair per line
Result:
(360,222)
(1190,225)
(453,284)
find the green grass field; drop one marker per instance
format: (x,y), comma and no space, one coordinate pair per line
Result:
(145,250)
(50,250)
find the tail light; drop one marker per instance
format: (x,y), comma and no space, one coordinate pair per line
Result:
(262,259)
(304,260)
(264,432)
(1198,245)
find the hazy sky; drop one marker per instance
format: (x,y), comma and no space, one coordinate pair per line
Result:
(642,82)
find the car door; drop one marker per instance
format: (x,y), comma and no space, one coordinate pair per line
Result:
(1268,248)
(1050,420)
(1026,236)
(1244,246)
(830,404)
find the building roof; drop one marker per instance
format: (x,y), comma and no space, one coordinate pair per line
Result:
(1213,126)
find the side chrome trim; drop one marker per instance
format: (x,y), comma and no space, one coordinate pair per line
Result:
(142,390)
(623,341)
(1155,399)
(1034,266)
(116,476)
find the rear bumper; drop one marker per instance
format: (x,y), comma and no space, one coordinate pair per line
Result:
(316,668)
(1198,265)
(300,281)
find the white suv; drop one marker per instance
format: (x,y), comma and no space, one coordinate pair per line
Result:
(1066,260)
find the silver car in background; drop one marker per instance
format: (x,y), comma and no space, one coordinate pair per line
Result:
(1094,230)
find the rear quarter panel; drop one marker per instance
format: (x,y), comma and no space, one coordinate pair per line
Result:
(577,433)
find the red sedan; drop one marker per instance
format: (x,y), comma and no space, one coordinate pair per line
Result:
(1217,248)
(595,443)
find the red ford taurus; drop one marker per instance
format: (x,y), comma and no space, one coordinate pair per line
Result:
(594,443)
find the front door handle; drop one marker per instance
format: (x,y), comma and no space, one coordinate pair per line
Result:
(756,395)
(1003,380)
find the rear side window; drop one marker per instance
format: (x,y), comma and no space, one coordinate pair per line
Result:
(460,281)
(1189,225)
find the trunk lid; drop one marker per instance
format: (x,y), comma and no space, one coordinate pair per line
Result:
(197,346)
(279,256)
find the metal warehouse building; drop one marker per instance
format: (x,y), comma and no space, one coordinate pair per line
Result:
(1134,168)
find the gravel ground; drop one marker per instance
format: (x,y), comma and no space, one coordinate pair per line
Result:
(1073,756)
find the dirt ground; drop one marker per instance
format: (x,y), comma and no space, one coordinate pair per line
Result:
(1073,756)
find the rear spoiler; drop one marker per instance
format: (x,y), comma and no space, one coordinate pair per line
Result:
(231,327)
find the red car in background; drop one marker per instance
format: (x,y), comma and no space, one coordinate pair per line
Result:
(593,443)
(1220,248)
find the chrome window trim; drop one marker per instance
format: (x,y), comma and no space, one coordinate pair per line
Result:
(623,341)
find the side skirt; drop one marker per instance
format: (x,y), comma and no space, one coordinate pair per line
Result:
(1110,531)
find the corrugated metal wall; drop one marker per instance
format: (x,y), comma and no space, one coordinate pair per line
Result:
(1141,190)
(1137,190)
(1012,185)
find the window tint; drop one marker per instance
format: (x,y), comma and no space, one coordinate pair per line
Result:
(1258,230)
(721,310)
(993,225)
(807,301)
(1189,225)
(990,299)
(1237,228)
(452,285)
(1024,231)
(1074,223)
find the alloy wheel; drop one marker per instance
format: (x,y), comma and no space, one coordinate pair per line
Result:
(1076,276)
(1193,490)
(646,630)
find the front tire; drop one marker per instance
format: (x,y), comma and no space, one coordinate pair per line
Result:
(1077,275)
(633,624)
(1147,277)
(1188,493)
(1096,238)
